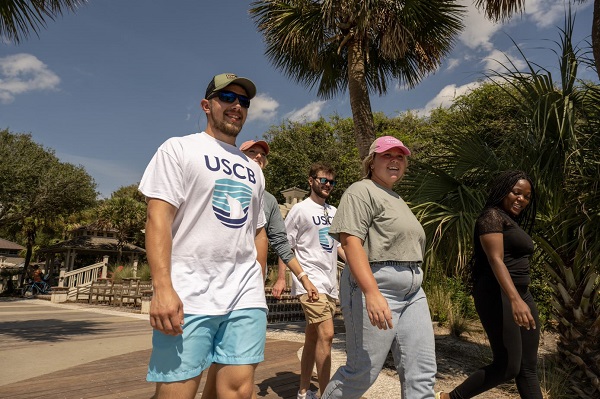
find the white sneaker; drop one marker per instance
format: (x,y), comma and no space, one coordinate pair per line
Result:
(308,395)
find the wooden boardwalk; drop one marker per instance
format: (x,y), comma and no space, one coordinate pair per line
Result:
(54,352)
(123,376)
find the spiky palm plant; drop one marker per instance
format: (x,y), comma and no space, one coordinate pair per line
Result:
(562,139)
(558,145)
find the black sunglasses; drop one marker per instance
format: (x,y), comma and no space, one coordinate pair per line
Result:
(324,180)
(229,97)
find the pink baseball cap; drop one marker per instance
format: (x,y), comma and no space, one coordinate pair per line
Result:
(247,144)
(384,143)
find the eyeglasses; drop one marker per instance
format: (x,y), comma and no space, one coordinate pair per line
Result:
(324,180)
(229,97)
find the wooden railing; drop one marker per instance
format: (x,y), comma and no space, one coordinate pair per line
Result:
(83,277)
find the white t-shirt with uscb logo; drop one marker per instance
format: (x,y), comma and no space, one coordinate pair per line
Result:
(218,194)
(307,225)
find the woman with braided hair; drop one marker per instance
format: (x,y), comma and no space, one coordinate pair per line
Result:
(502,247)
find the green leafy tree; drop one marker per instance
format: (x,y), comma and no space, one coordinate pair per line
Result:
(125,212)
(19,17)
(296,145)
(358,45)
(36,189)
(130,191)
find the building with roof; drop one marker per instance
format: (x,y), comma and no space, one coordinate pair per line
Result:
(9,253)
(89,245)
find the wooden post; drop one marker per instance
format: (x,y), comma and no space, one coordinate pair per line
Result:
(146,300)
(105,267)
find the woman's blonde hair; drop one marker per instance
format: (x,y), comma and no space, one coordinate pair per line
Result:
(366,166)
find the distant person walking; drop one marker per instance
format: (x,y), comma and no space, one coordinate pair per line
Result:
(502,249)
(203,235)
(307,225)
(382,300)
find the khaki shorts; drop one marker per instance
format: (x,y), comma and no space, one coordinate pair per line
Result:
(318,311)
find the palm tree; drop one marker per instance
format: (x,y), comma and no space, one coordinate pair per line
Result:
(504,9)
(357,44)
(18,17)
(126,216)
(558,145)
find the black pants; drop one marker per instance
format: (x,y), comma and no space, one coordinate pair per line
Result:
(514,348)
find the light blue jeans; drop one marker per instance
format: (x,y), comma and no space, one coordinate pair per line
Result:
(411,339)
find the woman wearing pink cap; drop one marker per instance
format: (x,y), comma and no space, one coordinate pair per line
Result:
(383,304)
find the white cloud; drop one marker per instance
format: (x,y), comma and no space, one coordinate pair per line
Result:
(496,58)
(545,12)
(309,113)
(262,107)
(21,73)
(478,29)
(452,63)
(446,96)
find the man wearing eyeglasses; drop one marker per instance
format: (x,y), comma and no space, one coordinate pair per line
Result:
(307,226)
(204,233)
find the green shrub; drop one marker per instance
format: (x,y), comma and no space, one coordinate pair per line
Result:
(450,303)
(118,273)
(554,377)
(143,272)
(542,293)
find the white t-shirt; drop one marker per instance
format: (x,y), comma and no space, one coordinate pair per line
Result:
(307,226)
(218,193)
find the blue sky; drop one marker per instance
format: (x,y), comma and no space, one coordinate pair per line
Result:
(104,87)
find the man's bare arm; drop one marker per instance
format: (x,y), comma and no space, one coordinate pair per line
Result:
(166,309)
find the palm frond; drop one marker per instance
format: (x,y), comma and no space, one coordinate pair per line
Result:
(20,17)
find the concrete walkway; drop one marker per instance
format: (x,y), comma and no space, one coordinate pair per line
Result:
(38,337)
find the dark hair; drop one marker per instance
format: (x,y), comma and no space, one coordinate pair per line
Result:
(502,185)
(317,167)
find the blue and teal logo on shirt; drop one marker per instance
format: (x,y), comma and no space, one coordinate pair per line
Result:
(325,239)
(231,201)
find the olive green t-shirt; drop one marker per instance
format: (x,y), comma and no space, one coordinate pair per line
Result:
(381,218)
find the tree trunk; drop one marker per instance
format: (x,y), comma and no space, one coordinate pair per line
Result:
(364,127)
(28,253)
(596,35)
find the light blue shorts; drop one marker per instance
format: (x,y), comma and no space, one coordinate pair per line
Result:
(237,337)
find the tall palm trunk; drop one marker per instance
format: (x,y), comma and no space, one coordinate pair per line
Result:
(364,127)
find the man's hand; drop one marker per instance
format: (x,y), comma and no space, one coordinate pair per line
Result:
(311,290)
(278,288)
(166,312)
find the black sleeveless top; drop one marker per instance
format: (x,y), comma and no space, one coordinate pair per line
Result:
(518,246)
